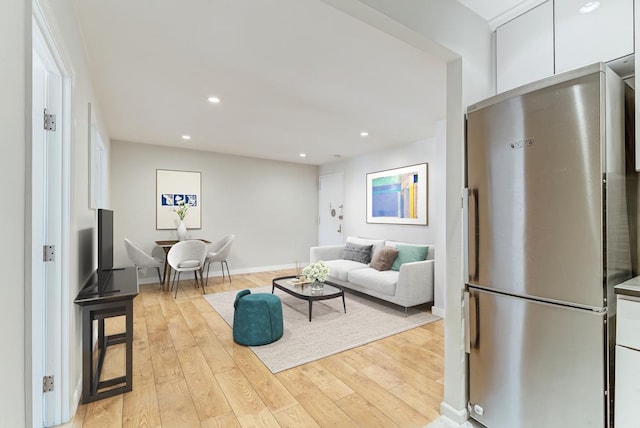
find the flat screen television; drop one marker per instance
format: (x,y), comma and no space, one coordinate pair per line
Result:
(105,240)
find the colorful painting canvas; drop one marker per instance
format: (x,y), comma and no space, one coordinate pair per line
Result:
(398,195)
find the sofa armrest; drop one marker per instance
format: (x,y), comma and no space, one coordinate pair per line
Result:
(415,281)
(327,252)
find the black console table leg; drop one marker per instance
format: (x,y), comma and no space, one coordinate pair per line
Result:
(93,388)
(108,294)
(129,346)
(87,364)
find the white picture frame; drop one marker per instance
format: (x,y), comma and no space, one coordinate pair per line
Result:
(173,187)
(398,196)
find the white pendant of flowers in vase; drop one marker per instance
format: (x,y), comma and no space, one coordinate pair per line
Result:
(316,272)
(182,213)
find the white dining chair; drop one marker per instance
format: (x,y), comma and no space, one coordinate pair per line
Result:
(219,252)
(142,260)
(187,256)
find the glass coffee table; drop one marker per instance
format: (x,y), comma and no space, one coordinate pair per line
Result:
(304,291)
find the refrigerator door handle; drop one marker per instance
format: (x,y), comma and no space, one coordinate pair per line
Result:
(471,243)
(472,328)
(465,234)
(467,324)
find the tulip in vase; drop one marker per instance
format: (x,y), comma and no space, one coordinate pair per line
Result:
(182,213)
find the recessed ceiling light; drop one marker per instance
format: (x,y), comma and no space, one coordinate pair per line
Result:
(213,100)
(364,134)
(186,137)
(303,155)
(590,7)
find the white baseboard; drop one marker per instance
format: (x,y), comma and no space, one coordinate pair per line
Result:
(457,416)
(153,279)
(260,269)
(436,310)
(445,422)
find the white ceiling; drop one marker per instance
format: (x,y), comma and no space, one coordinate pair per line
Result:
(497,12)
(293,76)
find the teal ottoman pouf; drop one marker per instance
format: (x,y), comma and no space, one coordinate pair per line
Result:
(257,319)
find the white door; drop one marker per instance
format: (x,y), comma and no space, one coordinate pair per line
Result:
(331,207)
(50,302)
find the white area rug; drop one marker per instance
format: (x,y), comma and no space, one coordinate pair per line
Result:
(330,330)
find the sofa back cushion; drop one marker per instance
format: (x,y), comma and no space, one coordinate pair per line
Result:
(384,258)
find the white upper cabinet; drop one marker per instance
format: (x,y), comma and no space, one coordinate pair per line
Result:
(524,48)
(591,31)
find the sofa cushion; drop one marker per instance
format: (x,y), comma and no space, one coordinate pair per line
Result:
(339,269)
(384,258)
(357,253)
(409,253)
(383,282)
(430,248)
(377,243)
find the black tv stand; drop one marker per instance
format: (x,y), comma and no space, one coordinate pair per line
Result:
(103,297)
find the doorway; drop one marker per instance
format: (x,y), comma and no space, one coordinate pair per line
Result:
(50,160)
(331,210)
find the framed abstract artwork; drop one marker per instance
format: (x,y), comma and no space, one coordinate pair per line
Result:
(174,188)
(398,196)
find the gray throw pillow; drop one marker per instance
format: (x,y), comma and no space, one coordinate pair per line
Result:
(384,258)
(357,253)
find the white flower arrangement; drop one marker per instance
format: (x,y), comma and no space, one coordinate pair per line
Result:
(318,271)
(182,210)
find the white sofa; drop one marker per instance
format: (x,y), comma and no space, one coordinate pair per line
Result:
(410,286)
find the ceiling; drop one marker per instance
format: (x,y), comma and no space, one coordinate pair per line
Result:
(493,10)
(293,76)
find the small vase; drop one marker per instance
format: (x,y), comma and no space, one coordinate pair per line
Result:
(317,285)
(182,231)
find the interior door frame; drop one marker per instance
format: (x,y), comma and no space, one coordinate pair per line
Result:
(39,308)
(339,208)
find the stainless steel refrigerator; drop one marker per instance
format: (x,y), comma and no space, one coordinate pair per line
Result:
(547,239)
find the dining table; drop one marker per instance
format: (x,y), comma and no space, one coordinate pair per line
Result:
(166,246)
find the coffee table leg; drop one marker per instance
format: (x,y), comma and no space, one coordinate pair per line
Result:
(344,305)
(310,309)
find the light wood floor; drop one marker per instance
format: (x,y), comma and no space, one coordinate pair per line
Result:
(188,372)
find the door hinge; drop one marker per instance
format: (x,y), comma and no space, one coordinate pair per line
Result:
(49,121)
(47,383)
(49,253)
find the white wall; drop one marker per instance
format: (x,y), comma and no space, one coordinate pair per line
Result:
(355,218)
(470,78)
(15,45)
(465,42)
(270,206)
(355,197)
(439,174)
(62,23)
(15,108)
